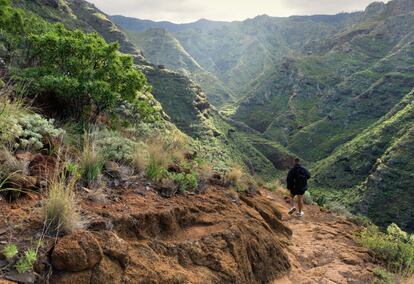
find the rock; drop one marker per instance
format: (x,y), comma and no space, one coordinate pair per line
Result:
(112,170)
(107,271)
(24,155)
(167,188)
(26,278)
(83,277)
(4,281)
(76,252)
(174,168)
(115,248)
(44,167)
(22,182)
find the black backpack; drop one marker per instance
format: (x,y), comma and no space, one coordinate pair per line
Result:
(301,178)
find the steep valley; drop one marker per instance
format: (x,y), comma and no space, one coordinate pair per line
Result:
(135,151)
(314,85)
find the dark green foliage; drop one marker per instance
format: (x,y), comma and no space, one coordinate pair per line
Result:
(76,74)
(394,246)
(81,71)
(185,181)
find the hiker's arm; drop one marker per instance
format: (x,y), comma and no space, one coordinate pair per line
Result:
(289,180)
(308,175)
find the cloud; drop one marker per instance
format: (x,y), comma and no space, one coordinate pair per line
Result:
(191,10)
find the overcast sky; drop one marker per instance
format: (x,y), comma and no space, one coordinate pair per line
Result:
(180,11)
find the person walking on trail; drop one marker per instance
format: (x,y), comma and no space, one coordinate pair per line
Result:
(297,184)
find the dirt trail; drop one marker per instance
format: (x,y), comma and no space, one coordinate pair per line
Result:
(322,249)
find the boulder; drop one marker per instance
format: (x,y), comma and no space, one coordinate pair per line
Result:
(76,252)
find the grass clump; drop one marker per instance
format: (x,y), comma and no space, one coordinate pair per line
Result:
(91,161)
(140,158)
(394,246)
(60,210)
(237,179)
(234,175)
(161,154)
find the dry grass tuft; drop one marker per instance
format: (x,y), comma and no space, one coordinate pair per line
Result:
(60,210)
(140,158)
(234,175)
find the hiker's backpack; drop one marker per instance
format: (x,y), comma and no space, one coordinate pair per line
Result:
(301,178)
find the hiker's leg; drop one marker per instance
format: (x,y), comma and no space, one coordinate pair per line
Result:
(292,204)
(300,203)
(292,200)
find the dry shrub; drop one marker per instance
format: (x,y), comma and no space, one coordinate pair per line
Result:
(60,210)
(158,152)
(205,171)
(274,185)
(10,165)
(140,158)
(234,175)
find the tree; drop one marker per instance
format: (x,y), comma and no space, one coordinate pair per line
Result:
(81,71)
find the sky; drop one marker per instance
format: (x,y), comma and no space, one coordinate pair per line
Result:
(182,11)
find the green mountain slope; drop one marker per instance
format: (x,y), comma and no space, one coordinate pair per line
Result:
(237,53)
(182,100)
(161,48)
(372,172)
(312,104)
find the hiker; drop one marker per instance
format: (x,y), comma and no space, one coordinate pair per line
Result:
(297,183)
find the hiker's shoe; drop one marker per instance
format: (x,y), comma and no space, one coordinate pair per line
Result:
(300,214)
(292,210)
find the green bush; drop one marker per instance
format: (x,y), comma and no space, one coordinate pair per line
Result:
(10,251)
(184,181)
(83,72)
(394,246)
(307,198)
(34,128)
(26,262)
(155,172)
(114,146)
(79,73)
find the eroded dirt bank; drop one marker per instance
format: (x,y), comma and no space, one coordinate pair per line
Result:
(137,236)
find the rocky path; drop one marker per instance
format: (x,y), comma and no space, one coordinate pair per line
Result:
(322,249)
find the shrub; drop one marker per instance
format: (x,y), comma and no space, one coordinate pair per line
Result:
(234,176)
(154,171)
(91,161)
(394,246)
(10,111)
(273,185)
(140,157)
(35,128)
(205,171)
(10,251)
(88,78)
(19,127)
(114,146)
(26,262)
(60,209)
(307,198)
(184,181)
(384,276)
